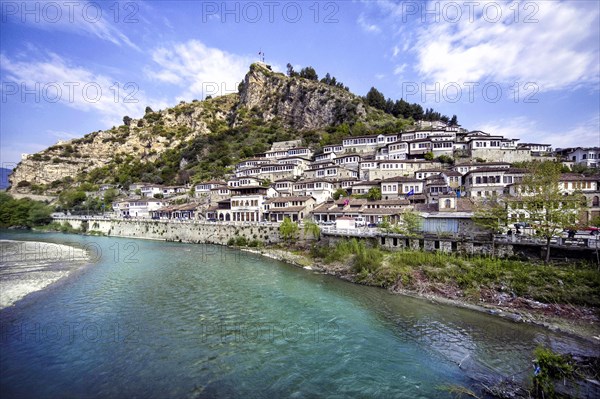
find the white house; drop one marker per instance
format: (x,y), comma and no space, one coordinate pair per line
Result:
(142,208)
(319,189)
(150,190)
(589,156)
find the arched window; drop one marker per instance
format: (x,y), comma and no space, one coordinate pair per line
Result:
(596,201)
(447,203)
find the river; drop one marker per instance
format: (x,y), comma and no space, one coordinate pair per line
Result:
(166,320)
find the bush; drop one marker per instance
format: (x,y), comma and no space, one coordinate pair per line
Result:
(241,241)
(255,243)
(553,368)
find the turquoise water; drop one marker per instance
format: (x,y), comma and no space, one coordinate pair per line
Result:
(151,319)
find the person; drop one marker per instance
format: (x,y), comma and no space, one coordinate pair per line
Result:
(571,233)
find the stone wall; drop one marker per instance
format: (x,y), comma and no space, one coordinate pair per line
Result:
(213,233)
(498,155)
(430,244)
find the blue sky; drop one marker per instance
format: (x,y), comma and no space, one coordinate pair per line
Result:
(528,70)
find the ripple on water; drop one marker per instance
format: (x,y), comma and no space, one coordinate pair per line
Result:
(207,322)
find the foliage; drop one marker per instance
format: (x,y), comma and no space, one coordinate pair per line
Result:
(428,156)
(288,229)
(539,202)
(374,194)
(567,284)
(375,99)
(110,195)
(492,214)
(411,222)
(23,212)
(238,241)
(72,198)
(340,192)
(554,368)
(312,228)
(446,159)
(309,73)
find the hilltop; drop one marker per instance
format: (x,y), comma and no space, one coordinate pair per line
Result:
(203,139)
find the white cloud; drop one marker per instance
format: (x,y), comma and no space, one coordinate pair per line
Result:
(200,69)
(560,51)
(395,51)
(56,80)
(367,26)
(585,134)
(80,17)
(399,69)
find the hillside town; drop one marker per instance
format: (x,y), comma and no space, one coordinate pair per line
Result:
(436,170)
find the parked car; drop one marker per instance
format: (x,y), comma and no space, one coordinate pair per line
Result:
(521,225)
(372,225)
(592,230)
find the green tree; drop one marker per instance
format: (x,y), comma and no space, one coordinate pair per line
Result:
(310,227)
(23,212)
(492,214)
(376,99)
(411,223)
(445,159)
(374,194)
(540,202)
(288,229)
(290,71)
(309,73)
(109,196)
(70,199)
(340,192)
(428,156)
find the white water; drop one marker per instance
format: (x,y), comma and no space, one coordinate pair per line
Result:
(28,266)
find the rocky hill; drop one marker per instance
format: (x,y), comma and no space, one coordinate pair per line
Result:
(202,139)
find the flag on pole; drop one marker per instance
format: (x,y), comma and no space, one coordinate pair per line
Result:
(411,192)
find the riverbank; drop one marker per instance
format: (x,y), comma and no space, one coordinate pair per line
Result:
(576,320)
(31,266)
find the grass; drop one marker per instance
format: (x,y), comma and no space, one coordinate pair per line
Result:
(576,284)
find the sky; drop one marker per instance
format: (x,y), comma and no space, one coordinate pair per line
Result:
(527,70)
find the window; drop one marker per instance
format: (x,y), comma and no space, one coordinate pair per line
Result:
(448,203)
(596,201)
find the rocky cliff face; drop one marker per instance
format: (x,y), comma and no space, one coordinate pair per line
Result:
(299,103)
(295,104)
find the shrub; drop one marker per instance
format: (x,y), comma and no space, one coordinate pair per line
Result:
(241,241)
